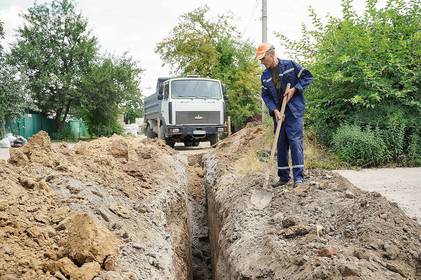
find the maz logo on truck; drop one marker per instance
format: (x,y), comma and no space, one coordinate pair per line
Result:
(198,117)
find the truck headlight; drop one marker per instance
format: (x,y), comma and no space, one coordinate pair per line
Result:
(175,130)
(221,129)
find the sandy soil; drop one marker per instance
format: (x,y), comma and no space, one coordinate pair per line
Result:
(119,208)
(113,208)
(400,185)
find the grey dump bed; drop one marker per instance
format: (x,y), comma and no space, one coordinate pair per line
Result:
(152,106)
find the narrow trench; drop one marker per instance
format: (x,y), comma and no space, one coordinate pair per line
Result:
(201,254)
(418,268)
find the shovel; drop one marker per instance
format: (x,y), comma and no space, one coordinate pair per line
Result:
(275,140)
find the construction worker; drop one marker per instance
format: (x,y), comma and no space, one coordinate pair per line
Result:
(275,77)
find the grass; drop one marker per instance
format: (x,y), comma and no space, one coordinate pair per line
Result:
(315,155)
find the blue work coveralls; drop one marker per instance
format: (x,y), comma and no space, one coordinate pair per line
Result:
(292,130)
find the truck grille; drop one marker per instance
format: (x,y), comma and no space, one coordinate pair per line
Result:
(209,117)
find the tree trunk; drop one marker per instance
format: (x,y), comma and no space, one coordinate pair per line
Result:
(2,128)
(59,123)
(66,111)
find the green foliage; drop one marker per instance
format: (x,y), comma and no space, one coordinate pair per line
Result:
(359,147)
(54,50)
(111,84)
(367,71)
(200,45)
(1,33)
(13,96)
(64,134)
(414,148)
(317,157)
(133,109)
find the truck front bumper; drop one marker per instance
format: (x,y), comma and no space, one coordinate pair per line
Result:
(196,131)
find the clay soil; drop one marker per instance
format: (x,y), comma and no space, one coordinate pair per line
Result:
(119,208)
(113,208)
(327,229)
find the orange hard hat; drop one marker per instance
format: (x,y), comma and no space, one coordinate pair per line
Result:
(262,49)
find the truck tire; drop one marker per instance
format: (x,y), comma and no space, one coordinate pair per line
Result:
(188,143)
(149,133)
(170,143)
(213,138)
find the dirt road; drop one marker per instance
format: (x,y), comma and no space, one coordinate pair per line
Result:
(400,185)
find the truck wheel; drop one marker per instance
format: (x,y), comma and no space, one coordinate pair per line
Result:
(188,143)
(170,143)
(213,139)
(149,133)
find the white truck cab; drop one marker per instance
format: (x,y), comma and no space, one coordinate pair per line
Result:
(189,110)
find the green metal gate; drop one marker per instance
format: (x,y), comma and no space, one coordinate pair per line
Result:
(31,124)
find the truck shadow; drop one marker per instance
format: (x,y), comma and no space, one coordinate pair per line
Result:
(202,146)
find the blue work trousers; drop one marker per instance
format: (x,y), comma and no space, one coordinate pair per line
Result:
(291,137)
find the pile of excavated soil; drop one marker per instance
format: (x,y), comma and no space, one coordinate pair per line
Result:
(113,208)
(328,229)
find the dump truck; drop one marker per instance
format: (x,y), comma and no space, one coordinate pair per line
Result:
(186,109)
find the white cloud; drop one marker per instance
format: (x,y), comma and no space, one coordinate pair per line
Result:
(11,20)
(137,26)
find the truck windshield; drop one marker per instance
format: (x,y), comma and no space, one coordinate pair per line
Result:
(195,89)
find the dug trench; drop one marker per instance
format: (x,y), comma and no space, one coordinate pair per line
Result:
(326,229)
(201,255)
(120,208)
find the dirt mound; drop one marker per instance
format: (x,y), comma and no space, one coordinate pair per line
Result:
(327,229)
(111,208)
(87,241)
(32,234)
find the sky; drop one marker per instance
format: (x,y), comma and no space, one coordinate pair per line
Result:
(136,27)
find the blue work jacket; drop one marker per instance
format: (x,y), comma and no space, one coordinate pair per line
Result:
(289,72)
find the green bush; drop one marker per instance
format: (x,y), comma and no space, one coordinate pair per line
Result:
(353,84)
(359,147)
(413,152)
(64,135)
(107,129)
(391,124)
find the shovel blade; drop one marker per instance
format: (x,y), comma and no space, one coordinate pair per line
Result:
(261,198)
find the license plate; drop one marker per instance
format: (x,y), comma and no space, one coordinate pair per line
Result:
(199,132)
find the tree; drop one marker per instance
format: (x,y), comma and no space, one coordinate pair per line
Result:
(54,50)
(110,88)
(200,45)
(13,97)
(367,72)
(133,109)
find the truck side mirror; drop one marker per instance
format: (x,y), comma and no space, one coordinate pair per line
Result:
(160,90)
(224,92)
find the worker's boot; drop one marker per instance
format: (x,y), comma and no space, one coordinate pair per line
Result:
(298,183)
(279,183)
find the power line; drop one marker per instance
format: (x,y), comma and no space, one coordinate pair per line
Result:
(251,17)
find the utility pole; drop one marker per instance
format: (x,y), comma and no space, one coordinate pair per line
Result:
(264,39)
(264,21)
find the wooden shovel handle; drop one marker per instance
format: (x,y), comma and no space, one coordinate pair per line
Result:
(279,124)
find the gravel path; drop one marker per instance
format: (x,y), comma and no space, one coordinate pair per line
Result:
(401,185)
